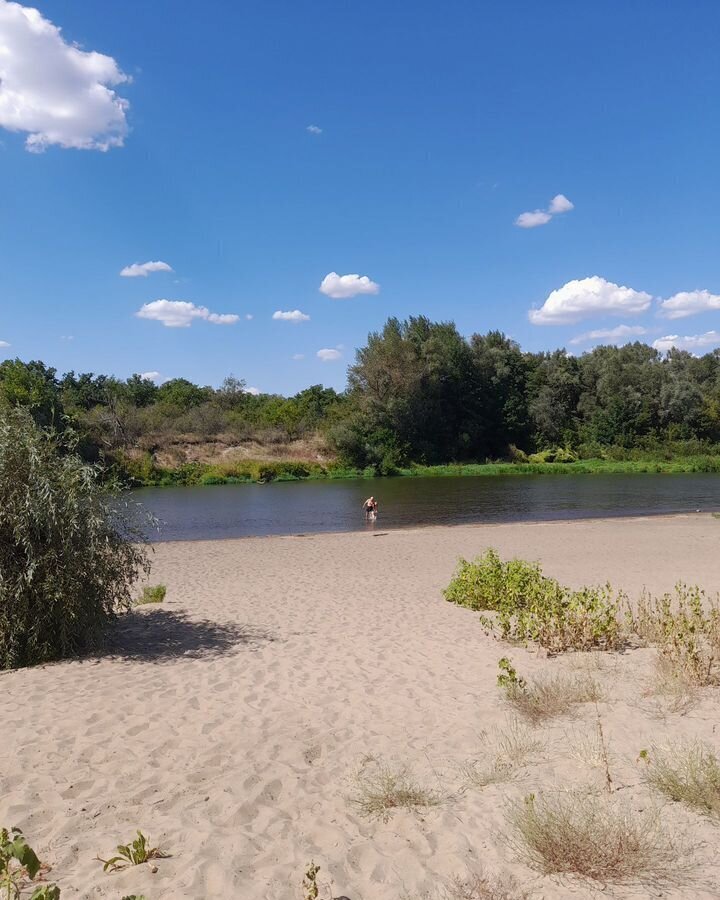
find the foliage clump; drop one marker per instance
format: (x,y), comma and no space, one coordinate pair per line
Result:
(688,773)
(529,606)
(592,836)
(152,593)
(20,866)
(135,853)
(381,788)
(68,551)
(546,696)
(685,627)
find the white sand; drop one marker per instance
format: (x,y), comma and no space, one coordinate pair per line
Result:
(230,725)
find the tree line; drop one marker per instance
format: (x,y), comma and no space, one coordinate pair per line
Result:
(418,392)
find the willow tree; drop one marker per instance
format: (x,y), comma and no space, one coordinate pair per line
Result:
(69,548)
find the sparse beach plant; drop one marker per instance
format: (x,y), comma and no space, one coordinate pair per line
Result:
(592,836)
(482,885)
(19,866)
(503,755)
(381,788)
(69,548)
(309,882)
(134,854)
(685,628)
(546,696)
(687,772)
(152,594)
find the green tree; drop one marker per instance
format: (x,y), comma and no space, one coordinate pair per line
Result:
(69,551)
(32,385)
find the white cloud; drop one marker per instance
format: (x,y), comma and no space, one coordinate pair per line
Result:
(291,315)
(142,270)
(4,344)
(150,376)
(314,129)
(180,314)
(297,356)
(533,219)
(688,303)
(249,317)
(340,287)
(252,390)
(609,334)
(328,355)
(585,297)
(558,205)
(689,342)
(67,337)
(53,90)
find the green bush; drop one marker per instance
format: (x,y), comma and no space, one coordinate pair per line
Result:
(152,593)
(68,547)
(532,607)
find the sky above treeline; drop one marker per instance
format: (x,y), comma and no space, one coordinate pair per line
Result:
(192,190)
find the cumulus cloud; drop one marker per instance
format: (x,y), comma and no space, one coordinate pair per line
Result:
(181,313)
(329,355)
(54,91)
(142,270)
(252,390)
(609,334)
(341,287)
(4,344)
(150,376)
(586,297)
(558,205)
(689,303)
(314,129)
(692,342)
(291,315)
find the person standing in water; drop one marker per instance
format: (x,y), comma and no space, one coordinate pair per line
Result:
(370,507)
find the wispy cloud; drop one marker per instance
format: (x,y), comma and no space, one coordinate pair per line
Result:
(341,287)
(181,313)
(586,297)
(4,344)
(249,317)
(328,354)
(689,303)
(609,334)
(298,356)
(291,315)
(692,342)
(151,376)
(558,205)
(314,129)
(142,270)
(54,91)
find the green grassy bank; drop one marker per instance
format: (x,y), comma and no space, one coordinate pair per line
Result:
(145,473)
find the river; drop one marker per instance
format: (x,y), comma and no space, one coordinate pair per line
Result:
(227,511)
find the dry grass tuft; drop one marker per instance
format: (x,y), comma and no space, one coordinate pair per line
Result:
(503,755)
(592,836)
(688,773)
(381,788)
(549,696)
(483,886)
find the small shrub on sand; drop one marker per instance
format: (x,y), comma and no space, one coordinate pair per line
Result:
(19,867)
(135,854)
(381,788)
(503,755)
(154,593)
(547,696)
(528,606)
(482,885)
(592,836)
(688,773)
(685,627)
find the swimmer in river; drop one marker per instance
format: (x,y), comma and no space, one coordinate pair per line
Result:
(370,508)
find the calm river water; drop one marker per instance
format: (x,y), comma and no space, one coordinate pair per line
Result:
(224,511)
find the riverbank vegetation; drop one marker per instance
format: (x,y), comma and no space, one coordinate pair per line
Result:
(421,399)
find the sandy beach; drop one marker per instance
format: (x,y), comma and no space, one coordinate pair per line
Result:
(230,722)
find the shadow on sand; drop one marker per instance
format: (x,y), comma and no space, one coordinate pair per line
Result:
(158,634)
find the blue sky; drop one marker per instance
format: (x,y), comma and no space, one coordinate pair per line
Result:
(441,123)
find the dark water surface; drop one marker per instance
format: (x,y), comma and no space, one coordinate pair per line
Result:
(224,511)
